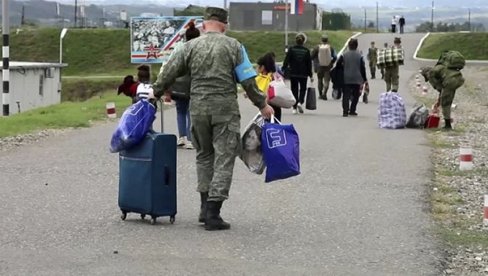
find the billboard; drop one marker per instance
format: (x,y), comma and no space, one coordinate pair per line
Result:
(152,38)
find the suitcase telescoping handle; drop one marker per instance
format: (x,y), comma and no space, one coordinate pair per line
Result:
(161,102)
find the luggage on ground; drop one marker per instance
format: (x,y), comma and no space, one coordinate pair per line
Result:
(147,180)
(433,120)
(418,116)
(391,111)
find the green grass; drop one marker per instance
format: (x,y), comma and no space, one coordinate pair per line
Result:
(64,115)
(106,52)
(471,45)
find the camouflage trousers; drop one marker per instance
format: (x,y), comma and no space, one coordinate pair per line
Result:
(391,78)
(372,69)
(447,97)
(323,76)
(217,142)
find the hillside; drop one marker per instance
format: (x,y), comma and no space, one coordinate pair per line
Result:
(471,45)
(107,52)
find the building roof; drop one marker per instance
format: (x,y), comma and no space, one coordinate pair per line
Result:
(15,65)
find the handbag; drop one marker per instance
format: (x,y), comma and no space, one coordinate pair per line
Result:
(251,153)
(311,101)
(133,126)
(281,150)
(280,95)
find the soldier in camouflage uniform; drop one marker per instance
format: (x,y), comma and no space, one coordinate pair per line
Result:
(392,70)
(445,80)
(373,59)
(210,60)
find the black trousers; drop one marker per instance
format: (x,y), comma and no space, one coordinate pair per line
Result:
(350,98)
(299,92)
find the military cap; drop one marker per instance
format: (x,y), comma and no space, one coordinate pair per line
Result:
(214,13)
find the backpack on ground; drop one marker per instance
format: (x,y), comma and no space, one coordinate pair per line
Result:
(325,55)
(453,60)
(418,116)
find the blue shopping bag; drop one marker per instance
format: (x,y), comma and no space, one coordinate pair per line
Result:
(133,126)
(281,150)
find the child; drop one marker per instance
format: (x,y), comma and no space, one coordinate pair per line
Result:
(266,74)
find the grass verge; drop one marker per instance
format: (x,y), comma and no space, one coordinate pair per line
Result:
(471,45)
(64,115)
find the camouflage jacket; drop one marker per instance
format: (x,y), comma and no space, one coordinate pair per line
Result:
(210,60)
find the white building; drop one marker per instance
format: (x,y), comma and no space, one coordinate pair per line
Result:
(33,85)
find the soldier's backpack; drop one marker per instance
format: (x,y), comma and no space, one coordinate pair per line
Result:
(418,116)
(325,55)
(452,60)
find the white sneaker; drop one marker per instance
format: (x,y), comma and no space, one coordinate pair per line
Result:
(294,111)
(300,108)
(181,141)
(188,145)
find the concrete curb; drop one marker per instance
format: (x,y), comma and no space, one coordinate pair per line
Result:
(479,62)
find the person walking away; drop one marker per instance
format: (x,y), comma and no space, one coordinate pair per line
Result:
(324,57)
(215,63)
(446,77)
(181,94)
(372,59)
(266,74)
(393,24)
(402,23)
(393,57)
(354,76)
(382,67)
(299,63)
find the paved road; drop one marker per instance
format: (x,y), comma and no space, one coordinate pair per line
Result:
(358,208)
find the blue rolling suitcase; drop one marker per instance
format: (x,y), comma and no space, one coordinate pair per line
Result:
(147,182)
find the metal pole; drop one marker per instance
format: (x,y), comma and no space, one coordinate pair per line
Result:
(377,19)
(432,17)
(365,23)
(469,20)
(76,12)
(5,58)
(286,26)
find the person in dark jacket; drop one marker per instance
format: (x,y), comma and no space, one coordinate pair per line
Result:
(354,76)
(298,63)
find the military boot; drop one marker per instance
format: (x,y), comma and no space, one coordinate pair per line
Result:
(203,207)
(213,220)
(447,125)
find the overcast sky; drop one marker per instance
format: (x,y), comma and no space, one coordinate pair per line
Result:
(331,3)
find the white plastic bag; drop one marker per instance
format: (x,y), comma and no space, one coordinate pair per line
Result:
(280,95)
(251,153)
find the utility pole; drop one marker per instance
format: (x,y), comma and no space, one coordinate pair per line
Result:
(365,23)
(469,20)
(22,18)
(377,19)
(5,58)
(76,12)
(225,4)
(432,16)
(286,26)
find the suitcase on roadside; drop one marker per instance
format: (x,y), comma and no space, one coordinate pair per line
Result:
(147,177)
(433,121)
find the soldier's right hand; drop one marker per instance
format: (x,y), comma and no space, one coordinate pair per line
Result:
(267,111)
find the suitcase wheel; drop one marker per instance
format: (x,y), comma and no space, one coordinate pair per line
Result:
(124,215)
(153,220)
(143,216)
(172,219)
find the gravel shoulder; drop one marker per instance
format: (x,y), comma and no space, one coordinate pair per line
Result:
(457,196)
